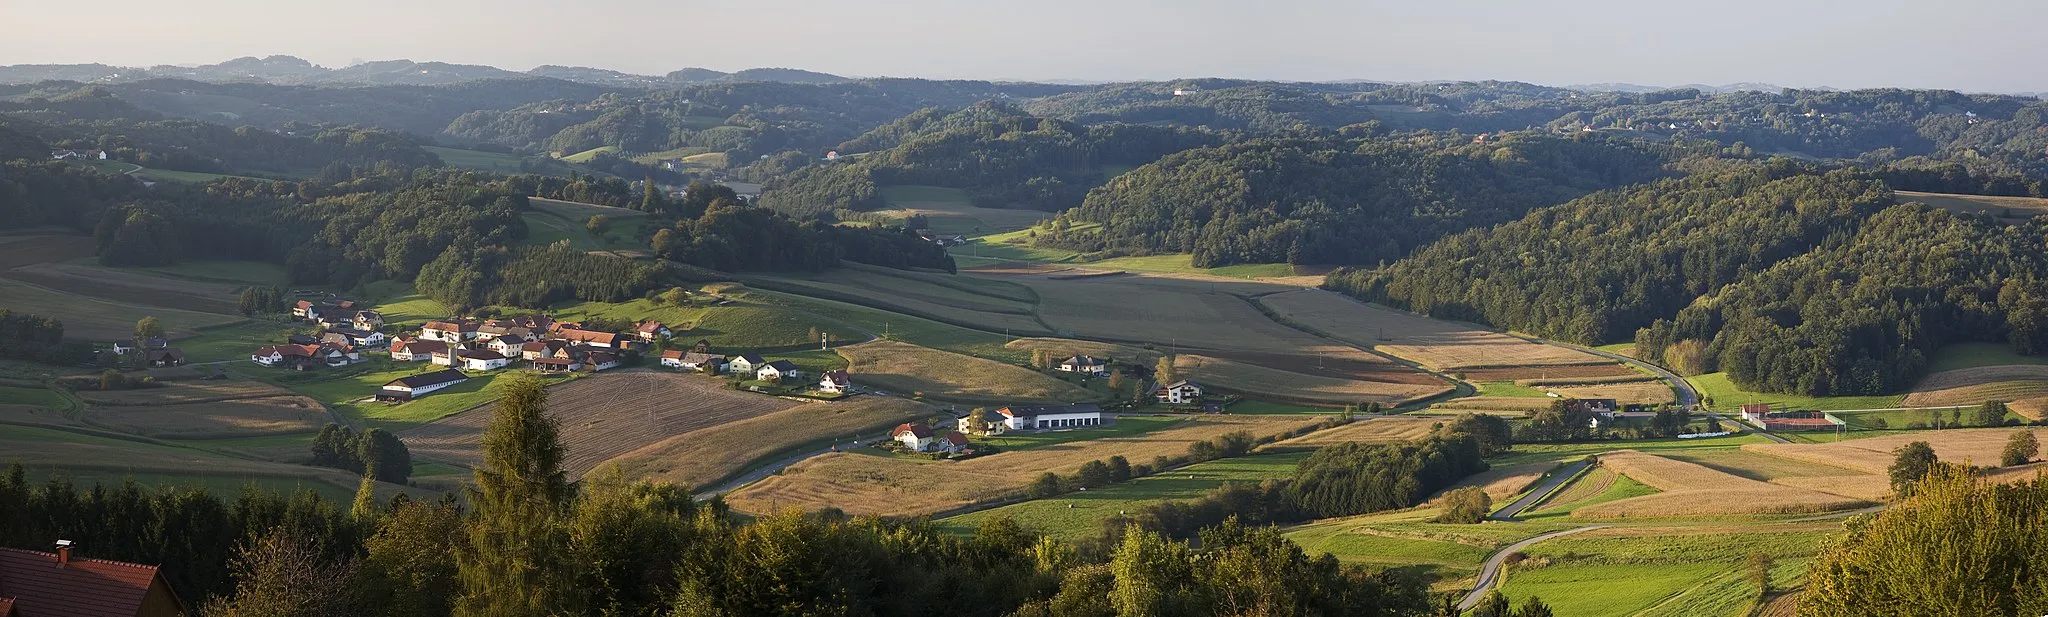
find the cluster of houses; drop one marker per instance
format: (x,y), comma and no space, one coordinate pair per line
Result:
(550,346)
(700,358)
(154,352)
(1180,392)
(919,437)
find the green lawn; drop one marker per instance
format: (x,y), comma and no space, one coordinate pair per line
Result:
(1728,396)
(1407,540)
(1927,418)
(236,342)
(235,272)
(473,159)
(1080,514)
(39,397)
(343,389)
(410,309)
(1509,389)
(1972,355)
(1125,426)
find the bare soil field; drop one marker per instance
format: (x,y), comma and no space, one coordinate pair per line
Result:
(604,416)
(1502,483)
(1164,310)
(1389,429)
(1695,490)
(1438,344)
(2024,386)
(917,299)
(130,287)
(183,392)
(705,457)
(21,251)
(862,484)
(1261,381)
(905,368)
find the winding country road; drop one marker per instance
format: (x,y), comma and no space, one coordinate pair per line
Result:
(1489,574)
(1529,499)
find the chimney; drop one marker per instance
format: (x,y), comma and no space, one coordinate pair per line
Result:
(63,553)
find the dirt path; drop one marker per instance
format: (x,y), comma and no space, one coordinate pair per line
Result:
(1490,575)
(1536,495)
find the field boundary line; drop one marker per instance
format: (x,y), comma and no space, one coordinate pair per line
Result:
(1459,388)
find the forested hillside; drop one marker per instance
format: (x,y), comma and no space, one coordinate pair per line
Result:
(1334,200)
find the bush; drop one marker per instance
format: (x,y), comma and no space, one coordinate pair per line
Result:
(1467,506)
(1048,484)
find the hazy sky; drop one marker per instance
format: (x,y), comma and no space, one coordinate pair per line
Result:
(1976,45)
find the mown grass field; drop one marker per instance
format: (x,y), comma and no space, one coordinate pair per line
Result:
(947,211)
(586,155)
(1598,486)
(101,320)
(232,272)
(1407,540)
(1664,571)
(89,458)
(1726,395)
(348,391)
(476,159)
(1078,515)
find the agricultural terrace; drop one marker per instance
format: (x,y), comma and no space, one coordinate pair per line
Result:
(713,455)
(864,484)
(2024,386)
(604,416)
(1438,344)
(1663,571)
(905,369)
(1078,515)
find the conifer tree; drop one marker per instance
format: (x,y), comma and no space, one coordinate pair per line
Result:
(516,563)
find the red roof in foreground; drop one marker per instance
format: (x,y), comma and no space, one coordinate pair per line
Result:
(83,588)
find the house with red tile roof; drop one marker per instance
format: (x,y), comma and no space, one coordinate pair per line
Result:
(39,584)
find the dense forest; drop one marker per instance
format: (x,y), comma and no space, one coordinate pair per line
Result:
(1362,199)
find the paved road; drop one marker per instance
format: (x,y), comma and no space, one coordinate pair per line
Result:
(1562,475)
(1491,573)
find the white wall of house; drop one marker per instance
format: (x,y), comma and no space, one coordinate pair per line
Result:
(482,364)
(912,441)
(1055,420)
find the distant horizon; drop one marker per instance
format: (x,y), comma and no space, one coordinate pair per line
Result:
(1055,80)
(1963,45)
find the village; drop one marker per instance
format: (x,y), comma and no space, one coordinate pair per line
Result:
(456,350)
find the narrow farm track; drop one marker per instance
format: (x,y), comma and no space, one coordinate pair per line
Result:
(1490,575)
(1536,495)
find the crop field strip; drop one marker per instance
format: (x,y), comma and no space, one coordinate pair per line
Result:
(1078,515)
(889,486)
(1387,429)
(604,416)
(2024,387)
(1272,383)
(1406,539)
(712,455)
(1438,344)
(996,315)
(131,287)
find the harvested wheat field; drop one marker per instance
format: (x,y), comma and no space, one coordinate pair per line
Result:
(903,367)
(2024,386)
(1592,484)
(604,416)
(248,417)
(1498,405)
(1502,483)
(1265,382)
(1438,344)
(1545,372)
(1695,490)
(1389,429)
(1980,446)
(703,458)
(861,484)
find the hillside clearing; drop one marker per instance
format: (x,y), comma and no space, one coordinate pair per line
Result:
(2009,209)
(906,368)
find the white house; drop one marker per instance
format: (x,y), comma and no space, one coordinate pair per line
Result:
(952,441)
(673,358)
(601,360)
(484,360)
(835,382)
(556,365)
(415,350)
(1180,392)
(1053,416)
(448,331)
(916,436)
(696,360)
(508,345)
(778,370)
(653,330)
(409,388)
(744,363)
(1085,365)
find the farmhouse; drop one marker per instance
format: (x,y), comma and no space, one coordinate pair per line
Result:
(410,350)
(777,371)
(449,331)
(556,365)
(39,584)
(353,337)
(835,382)
(652,331)
(408,388)
(1086,365)
(595,339)
(542,349)
(1054,416)
(510,345)
(368,320)
(483,360)
(1180,392)
(168,356)
(302,357)
(601,360)
(745,363)
(952,441)
(916,436)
